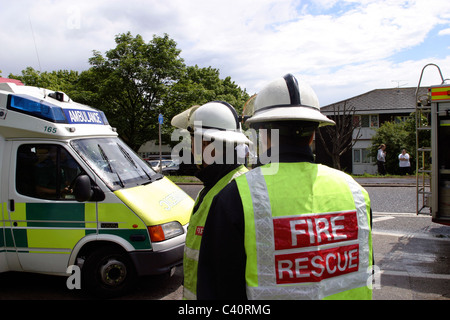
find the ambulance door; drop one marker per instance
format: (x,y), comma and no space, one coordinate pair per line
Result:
(46,220)
(8,256)
(3,263)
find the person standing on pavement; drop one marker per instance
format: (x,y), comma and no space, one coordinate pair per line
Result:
(243,152)
(291,229)
(215,132)
(381,159)
(404,163)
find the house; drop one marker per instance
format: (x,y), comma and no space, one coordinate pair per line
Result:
(372,109)
(150,150)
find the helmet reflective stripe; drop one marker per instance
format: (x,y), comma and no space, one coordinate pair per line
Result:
(294,92)
(294,95)
(287,99)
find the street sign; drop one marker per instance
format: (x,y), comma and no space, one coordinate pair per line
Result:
(160,121)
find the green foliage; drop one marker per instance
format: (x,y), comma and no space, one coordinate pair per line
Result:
(136,81)
(200,85)
(132,80)
(61,80)
(396,135)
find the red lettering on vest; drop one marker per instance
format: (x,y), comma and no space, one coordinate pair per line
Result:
(316,265)
(199,231)
(314,230)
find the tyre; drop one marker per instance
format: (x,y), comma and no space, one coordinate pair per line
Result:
(107,272)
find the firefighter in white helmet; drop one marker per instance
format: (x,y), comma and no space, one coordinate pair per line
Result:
(215,132)
(301,231)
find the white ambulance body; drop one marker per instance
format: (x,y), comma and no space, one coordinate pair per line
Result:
(73,194)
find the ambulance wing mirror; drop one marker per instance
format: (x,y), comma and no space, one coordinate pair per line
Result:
(85,191)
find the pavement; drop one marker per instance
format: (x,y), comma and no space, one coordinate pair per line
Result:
(407,181)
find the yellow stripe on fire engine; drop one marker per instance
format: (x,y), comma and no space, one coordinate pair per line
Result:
(440,93)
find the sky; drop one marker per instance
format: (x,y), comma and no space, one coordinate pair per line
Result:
(342,48)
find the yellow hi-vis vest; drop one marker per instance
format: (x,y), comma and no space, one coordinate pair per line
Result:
(307,233)
(195,232)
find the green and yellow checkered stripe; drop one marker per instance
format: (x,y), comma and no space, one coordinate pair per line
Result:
(57,227)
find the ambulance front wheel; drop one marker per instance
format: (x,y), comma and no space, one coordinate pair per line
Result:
(108,272)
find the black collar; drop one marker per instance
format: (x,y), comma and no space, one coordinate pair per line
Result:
(211,174)
(289,154)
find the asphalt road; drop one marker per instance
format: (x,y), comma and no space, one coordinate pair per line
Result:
(412,257)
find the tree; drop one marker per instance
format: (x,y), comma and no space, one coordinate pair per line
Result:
(397,135)
(60,80)
(135,82)
(197,86)
(132,80)
(340,137)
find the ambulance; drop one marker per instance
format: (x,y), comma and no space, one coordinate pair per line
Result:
(74,196)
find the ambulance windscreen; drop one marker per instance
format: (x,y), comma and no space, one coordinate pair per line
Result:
(114,162)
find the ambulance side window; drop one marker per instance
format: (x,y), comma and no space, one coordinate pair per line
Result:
(45,171)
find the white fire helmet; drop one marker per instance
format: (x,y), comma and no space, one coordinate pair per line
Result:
(286,99)
(216,120)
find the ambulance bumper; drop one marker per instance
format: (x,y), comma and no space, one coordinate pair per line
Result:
(157,262)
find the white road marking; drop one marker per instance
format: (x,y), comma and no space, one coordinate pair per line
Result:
(382,219)
(416,274)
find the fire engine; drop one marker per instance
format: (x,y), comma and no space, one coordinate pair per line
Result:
(433,155)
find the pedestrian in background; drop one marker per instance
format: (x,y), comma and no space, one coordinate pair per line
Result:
(381,159)
(243,152)
(404,163)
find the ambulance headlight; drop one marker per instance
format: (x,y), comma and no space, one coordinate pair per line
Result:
(165,231)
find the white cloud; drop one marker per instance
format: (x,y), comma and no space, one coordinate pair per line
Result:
(444,32)
(347,47)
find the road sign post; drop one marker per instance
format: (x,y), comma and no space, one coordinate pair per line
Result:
(160,122)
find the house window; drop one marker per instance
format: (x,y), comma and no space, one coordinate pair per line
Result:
(366,158)
(367,121)
(362,156)
(374,121)
(356,155)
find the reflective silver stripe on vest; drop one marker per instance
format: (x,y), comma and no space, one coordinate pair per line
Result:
(191,253)
(267,287)
(188,294)
(263,230)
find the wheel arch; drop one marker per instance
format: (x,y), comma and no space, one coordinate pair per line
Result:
(91,243)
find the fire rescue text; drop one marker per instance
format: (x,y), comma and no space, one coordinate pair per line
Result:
(307,261)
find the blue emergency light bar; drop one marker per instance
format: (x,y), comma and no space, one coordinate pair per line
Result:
(47,111)
(36,107)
